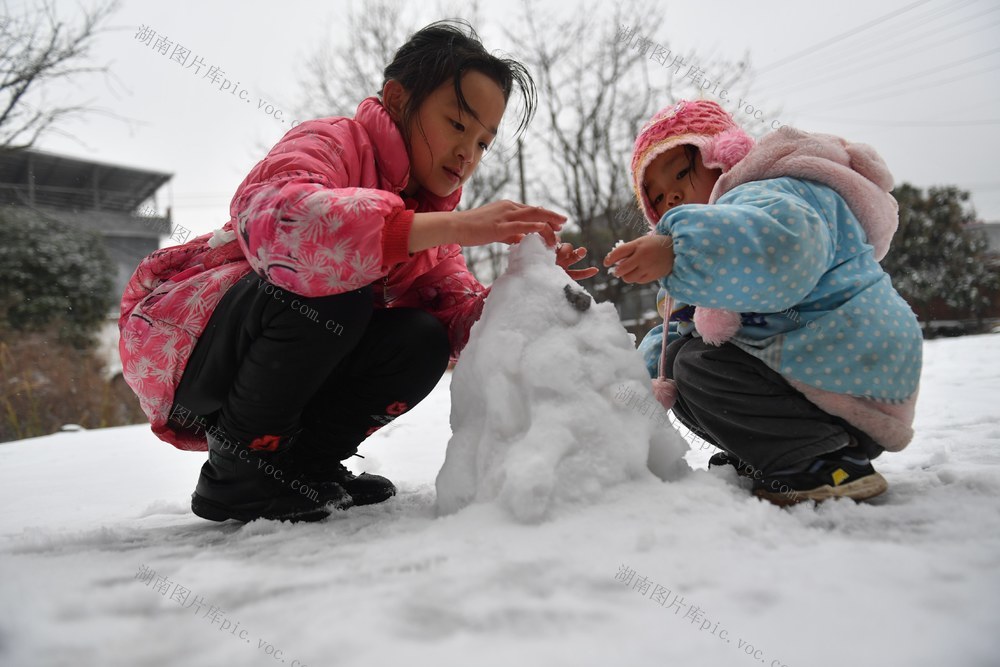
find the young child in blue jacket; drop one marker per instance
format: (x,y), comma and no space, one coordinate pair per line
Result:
(793,353)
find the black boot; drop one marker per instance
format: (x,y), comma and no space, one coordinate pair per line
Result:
(244,483)
(322,466)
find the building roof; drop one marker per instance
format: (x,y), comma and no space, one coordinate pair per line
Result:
(73,183)
(992,231)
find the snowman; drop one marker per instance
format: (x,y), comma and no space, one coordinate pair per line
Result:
(551,403)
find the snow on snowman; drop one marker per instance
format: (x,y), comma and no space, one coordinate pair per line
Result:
(537,416)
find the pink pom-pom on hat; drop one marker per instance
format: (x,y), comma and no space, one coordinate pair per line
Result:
(721,142)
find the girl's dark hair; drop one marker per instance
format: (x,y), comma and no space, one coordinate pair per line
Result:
(443,51)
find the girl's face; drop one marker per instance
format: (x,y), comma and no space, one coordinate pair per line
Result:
(447,143)
(673,179)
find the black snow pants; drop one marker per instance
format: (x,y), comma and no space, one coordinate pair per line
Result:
(271,362)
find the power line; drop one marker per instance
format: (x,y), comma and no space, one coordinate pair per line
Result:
(862,93)
(915,123)
(843,35)
(873,45)
(850,70)
(922,87)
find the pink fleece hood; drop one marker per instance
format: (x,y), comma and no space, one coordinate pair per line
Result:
(855,171)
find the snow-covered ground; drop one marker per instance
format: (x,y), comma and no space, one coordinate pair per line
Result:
(911,579)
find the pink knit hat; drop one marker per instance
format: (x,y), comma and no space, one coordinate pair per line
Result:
(701,123)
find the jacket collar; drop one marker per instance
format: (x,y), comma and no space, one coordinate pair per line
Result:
(391,157)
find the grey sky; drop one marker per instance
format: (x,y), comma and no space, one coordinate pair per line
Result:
(920,86)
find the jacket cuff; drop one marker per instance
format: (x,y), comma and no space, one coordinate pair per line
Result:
(396,238)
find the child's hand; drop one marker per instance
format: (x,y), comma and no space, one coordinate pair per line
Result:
(567,257)
(643,260)
(505,221)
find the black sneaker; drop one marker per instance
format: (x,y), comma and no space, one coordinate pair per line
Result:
(322,466)
(259,480)
(845,473)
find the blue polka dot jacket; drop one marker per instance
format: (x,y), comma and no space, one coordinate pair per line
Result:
(792,257)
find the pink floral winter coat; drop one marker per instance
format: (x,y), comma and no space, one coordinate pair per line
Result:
(321,214)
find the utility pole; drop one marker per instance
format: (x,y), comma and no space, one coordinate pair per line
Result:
(520,169)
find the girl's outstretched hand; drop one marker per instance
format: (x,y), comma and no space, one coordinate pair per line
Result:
(642,260)
(566,257)
(505,221)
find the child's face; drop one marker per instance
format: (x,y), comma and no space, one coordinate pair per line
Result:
(453,141)
(671,181)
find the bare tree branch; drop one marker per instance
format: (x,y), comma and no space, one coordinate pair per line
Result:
(340,76)
(595,94)
(34,51)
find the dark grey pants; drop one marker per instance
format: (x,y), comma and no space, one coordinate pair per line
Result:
(734,401)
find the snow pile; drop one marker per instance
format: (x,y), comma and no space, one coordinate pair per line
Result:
(537,413)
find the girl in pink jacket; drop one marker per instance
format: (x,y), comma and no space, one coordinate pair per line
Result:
(332,300)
